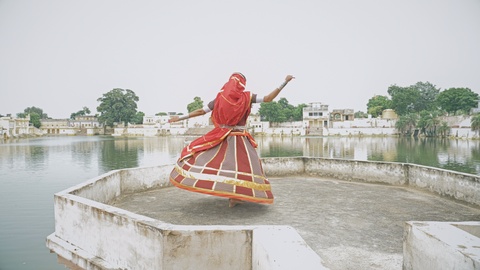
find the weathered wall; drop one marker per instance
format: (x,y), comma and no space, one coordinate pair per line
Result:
(91,232)
(120,239)
(440,245)
(360,131)
(456,185)
(94,235)
(269,250)
(207,247)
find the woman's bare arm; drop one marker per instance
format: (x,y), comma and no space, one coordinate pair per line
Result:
(195,113)
(277,90)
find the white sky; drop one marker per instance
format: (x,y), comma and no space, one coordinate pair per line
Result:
(62,55)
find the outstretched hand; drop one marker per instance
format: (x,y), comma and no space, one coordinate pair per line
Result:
(174,118)
(289,78)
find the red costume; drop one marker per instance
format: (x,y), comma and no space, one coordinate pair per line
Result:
(224,161)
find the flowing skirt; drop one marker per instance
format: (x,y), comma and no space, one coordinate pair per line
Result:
(232,169)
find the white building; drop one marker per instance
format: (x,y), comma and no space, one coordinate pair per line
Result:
(315,118)
(14,127)
(81,125)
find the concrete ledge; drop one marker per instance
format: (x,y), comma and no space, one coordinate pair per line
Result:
(90,232)
(269,250)
(441,245)
(455,185)
(75,256)
(460,186)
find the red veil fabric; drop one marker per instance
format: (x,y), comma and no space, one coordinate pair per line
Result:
(224,162)
(231,105)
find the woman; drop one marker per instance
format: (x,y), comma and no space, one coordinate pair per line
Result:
(224,161)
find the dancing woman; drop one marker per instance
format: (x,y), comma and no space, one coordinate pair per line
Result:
(224,161)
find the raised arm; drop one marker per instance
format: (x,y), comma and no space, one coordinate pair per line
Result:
(195,113)
(277,90)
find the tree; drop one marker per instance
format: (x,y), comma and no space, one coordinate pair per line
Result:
(138,119)
(196,104)
(475,123)
(428,122)
(401,125)
(83,111)
(298,112)
(36,114)
(271,111)
(33,109)
(457,100)
(161,114)
(118,105)
(377,104)
(444,129)
(428,95)
(404,99)
(281,111)
(414,98)
(288,110)
(406,123)
(360,114)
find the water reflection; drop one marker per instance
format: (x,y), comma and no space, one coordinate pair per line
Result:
(279,147)
(457,155)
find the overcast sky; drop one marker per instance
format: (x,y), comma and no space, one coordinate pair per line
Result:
(63,55)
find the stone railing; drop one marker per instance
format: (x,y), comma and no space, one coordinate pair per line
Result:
(94,235)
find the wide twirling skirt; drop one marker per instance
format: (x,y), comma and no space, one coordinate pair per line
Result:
(232,169)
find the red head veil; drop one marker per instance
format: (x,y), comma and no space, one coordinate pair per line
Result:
(232,102)
(231,105)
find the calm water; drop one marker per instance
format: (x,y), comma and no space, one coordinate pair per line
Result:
(32,170)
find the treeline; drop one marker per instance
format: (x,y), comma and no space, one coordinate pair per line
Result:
(116,106)
(421,106)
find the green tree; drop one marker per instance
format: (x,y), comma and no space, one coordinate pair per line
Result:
(404,99)
(271,111)
(428,122)
(457,100)
(161,114)
(377,104)
(444,129)
(401,125)
(288,110)
(428,95)
(36,114)
(33,109)
(406,123)
(360,114)
(414,98)
(138,119)
(118,105)
(196,104)
(298,112)
(475,123)
(281,111)
(83,111)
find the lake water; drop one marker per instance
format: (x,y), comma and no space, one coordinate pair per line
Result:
(32,170)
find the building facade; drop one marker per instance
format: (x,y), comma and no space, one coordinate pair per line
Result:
(11,127)
(81,125)
(315,118)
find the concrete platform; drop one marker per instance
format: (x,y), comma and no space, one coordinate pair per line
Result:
(351,225)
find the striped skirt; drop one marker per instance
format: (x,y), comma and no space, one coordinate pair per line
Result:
(231,169)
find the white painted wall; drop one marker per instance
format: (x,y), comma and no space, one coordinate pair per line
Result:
(89,232)
(440,245)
